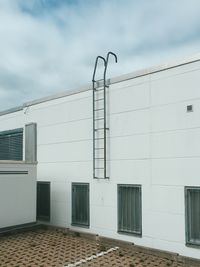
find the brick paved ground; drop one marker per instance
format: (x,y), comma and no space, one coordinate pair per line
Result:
(48,248)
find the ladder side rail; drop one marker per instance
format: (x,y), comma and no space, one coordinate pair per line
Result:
(105,108)
(93,87)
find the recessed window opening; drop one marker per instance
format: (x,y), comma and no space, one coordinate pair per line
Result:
(192,207)
(80,204)
(129,209)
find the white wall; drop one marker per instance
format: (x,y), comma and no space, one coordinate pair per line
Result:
(153,141)
(17,194)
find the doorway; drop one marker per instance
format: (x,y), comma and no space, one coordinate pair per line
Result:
(43,201)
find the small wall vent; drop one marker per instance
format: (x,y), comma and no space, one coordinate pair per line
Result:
(189,108)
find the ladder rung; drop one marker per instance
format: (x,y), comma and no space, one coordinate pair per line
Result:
(99,119)
(100,138)
(99,168)
(102,89)
(99,109)
(99,148)
(98,158)
(99,80)
(99,99)
(101,129)
(95,177)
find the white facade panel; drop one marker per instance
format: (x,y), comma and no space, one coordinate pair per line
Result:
(102,195)
(176,88)
(171,199)
(61,113)
(61,171)
(12,121)
(74,151)
(175,116)
(176,171)
(140,80)
(58,213)
(65,132)
(104,217)
(129,147)
(129,123)
(129,98)
(176,144)
(130,171)
(59,191)
(165,226)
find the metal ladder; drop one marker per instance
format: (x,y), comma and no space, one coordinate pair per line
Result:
(100,127)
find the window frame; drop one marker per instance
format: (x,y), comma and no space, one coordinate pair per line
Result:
(73,222)
(121,231)
(189,241)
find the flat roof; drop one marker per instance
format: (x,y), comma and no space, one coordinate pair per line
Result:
(121,78)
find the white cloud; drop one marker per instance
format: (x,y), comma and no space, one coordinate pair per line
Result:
(49,48)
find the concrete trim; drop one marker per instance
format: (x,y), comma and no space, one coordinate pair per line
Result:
(154,69)
(58,95)
(19,228)
(20,162)
(11,110)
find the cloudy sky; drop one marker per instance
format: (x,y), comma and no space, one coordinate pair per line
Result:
(47,46)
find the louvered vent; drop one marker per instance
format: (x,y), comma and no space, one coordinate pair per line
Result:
(11,145)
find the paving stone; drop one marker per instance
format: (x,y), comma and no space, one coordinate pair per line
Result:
(56,248)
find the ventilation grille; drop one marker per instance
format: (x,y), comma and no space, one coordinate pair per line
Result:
(11,145)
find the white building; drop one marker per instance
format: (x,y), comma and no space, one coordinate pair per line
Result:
(152,195)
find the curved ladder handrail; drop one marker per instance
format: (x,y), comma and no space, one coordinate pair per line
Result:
(107,60)
(95,66)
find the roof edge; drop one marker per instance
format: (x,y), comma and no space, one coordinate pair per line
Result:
(121,78)
(58,95)
(155,69)
(11,110)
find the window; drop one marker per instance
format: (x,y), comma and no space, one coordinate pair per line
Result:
(192,201)
(129,209)
(80,204)
(11,145)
